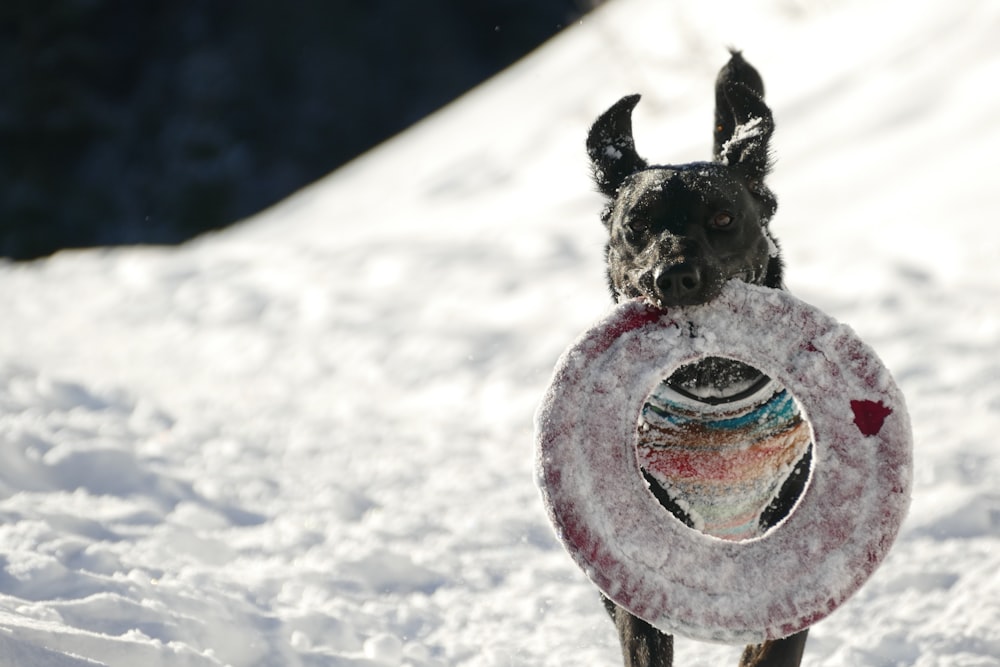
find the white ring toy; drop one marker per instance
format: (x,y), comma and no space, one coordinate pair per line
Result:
(678,579)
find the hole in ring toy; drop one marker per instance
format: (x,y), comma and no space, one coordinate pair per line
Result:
(684,581)
(725,448)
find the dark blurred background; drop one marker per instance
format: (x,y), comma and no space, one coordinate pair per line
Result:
(150,121)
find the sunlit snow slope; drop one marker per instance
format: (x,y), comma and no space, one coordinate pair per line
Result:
(307,440)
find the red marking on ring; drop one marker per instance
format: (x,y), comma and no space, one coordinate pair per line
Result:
(869,416)
(616,329)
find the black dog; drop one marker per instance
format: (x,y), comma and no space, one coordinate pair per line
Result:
(677,234)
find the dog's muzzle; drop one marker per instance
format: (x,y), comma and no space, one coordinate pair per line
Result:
(679,285)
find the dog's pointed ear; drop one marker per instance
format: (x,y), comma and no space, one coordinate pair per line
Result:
(743,122)
(737,70)
(611,147)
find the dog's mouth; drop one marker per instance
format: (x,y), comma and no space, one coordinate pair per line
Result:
(700,289)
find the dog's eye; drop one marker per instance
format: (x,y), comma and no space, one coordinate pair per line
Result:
(632,237)
(721,220)
(632,232)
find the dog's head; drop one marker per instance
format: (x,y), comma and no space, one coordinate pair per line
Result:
(678,233)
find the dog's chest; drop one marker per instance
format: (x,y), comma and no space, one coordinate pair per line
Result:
(722,462)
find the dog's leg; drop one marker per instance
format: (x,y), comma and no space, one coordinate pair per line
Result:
(785,652)
(642,644)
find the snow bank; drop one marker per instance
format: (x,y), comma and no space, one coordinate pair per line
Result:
(307,440)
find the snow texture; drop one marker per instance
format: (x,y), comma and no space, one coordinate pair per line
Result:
(679,579)
(307,440)
(741,135)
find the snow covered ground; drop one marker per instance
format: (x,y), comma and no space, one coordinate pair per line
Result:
(307,440)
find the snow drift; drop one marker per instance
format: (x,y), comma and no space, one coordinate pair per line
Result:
(307,440)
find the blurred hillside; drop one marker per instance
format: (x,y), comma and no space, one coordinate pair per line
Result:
(149,122)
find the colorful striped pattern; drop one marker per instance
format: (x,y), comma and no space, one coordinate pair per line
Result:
(722,464)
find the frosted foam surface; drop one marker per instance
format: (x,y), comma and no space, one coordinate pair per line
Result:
(686,582)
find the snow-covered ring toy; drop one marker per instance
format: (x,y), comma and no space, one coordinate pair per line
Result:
(683,581)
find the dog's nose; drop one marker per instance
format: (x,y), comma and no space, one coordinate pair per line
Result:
(679,284)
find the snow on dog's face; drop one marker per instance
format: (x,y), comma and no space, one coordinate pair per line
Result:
(677,233)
